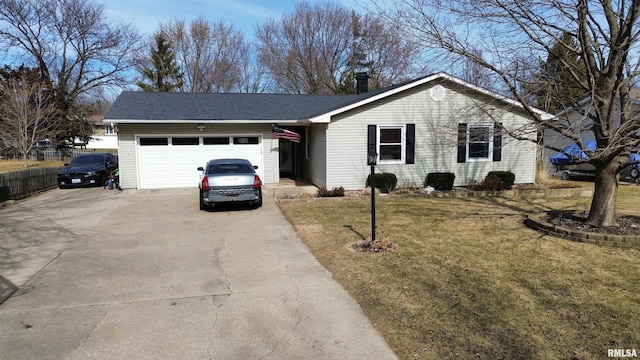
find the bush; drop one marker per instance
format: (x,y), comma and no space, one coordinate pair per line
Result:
(441,181)
(507,178)
(335,192)
(495,181)
(386,182)
(490,183)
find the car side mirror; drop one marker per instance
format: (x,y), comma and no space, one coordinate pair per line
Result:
(66,164)
(200,168)
(255,167)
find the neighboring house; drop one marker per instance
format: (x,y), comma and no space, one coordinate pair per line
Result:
(577,121)
(104,136)
(436,123)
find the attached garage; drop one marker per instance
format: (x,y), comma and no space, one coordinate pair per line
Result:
(172,161)
(164,137)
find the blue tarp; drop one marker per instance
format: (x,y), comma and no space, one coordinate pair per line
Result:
(576,154)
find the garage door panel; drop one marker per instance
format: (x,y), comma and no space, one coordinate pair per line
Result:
(166,166)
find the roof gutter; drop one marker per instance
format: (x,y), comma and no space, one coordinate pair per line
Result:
(194,121)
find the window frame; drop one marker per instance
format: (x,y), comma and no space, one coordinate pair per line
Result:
(250,140)
(402,143)
(153,141)
(216,141)
(489,141)
(185,141)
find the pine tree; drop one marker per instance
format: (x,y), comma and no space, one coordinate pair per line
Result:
(557,86)
(164,74)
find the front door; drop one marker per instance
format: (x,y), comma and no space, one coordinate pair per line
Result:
(286,158)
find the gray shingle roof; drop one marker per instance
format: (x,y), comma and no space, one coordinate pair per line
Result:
(150,106)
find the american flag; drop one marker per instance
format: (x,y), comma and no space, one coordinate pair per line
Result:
(278,133)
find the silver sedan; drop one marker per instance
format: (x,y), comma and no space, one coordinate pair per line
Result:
(229,181)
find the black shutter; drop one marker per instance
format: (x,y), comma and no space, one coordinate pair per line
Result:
(372,134)
(462,143)
(410,144)
(497,142)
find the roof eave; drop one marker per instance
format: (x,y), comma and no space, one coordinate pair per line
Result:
(326,117)
(204,121)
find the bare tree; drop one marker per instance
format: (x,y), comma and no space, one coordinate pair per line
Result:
(317,49)
(387,56)
(474,73)
(26,115)
(77,49)
(513,35)
(211,55)
(253,77)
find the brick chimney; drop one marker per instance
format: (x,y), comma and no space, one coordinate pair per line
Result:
(362,82)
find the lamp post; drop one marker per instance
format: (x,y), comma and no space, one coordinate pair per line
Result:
(372,159)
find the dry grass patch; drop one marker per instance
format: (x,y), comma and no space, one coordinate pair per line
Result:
(469,281)
(16,165)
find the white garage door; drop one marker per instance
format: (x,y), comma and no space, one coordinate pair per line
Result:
(172,161)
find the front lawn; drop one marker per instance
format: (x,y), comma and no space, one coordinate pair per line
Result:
(469,281)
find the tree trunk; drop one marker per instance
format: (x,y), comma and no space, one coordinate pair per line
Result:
(25,157)
(603,205)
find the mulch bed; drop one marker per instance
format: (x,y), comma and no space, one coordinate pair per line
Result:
(379,246)
(627,224)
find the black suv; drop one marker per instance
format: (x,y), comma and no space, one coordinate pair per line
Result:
(87,170)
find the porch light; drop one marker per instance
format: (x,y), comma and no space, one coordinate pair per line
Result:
(372,159)
(201,127)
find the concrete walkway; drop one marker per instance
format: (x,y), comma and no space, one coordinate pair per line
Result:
(146,275)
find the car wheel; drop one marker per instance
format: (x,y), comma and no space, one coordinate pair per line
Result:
(259,201)
(634,172)
(203,206)
(565,175)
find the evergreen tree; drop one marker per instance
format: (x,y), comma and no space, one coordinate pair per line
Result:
(557,87)
(163,73)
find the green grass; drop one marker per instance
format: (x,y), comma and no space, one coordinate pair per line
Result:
(470,281)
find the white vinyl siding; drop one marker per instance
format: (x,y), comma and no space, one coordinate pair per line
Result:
(317,154)
(435,139)
(129,134)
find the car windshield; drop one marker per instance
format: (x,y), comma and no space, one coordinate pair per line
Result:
(88,160)
(230,169)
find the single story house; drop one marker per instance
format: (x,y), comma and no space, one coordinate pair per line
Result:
(436,123)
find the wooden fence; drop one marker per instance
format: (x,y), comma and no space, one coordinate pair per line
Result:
(49,154)
(57,155)
(20,184)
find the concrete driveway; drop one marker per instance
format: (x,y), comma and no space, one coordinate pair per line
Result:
(146,275)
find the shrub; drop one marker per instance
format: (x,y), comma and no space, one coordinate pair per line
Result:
(441,181)
(490,183)
(507,178)
(386,182)
(493,183)
(335,192)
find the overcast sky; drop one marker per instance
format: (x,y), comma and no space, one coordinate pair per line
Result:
(243,14)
